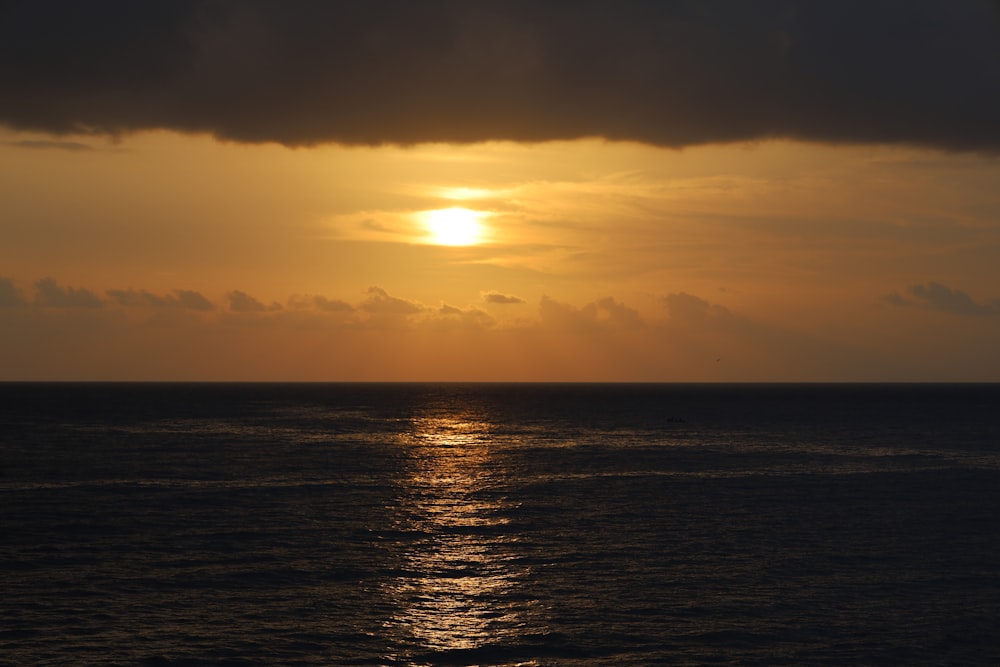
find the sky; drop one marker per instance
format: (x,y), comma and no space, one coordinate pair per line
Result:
(687,191)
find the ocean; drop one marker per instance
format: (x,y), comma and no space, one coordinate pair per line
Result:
(447,524)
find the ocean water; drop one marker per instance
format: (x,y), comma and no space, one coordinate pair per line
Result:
(174,524)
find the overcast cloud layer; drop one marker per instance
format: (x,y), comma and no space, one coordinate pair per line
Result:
(924,72)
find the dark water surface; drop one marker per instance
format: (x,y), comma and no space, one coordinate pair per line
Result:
(499,524)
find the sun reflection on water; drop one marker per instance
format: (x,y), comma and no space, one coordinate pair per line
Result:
(460,580)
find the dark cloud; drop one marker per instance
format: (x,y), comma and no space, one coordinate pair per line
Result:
(379,302)
(617,313)
(241,302)
(58,145)
(471,318)
(187,299)
(10,295)
(897,300)
(192,300)
(320,303)
(50,295)
(726,345)
(564,316)
(671,73)
(332,305)
(591,317)
(497,297)
(941,297)
(687,308)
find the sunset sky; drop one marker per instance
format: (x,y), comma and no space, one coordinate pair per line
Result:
(500,191)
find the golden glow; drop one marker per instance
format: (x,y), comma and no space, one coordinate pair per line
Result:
(458,193)
(460,586)
(787,261)
(454,226)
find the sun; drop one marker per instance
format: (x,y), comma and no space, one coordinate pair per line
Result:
(454,226)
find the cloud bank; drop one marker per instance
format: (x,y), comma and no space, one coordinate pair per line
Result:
(186,299)
(241,302)
(50,294)
(11,295)
(500,298)
(936,296)
(923,72)
(52,331)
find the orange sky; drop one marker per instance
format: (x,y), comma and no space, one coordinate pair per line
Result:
(498,190)
(164,256)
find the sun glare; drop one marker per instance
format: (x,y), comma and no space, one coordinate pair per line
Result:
(454,226)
